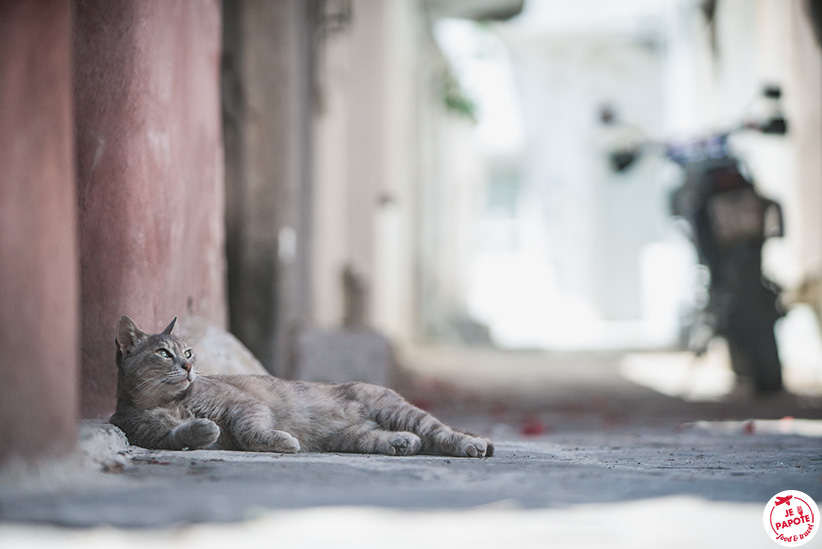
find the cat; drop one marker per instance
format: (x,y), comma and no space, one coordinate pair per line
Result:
(163,404)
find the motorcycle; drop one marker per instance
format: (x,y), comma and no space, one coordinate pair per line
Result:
(728,221)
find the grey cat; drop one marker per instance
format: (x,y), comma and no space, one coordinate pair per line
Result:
(161,403)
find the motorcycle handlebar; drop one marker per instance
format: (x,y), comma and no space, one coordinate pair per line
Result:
(683,152)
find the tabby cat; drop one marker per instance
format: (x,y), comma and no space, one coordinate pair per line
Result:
(161,403)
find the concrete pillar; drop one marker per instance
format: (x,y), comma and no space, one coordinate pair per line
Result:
(268,95)
(38,239)
(150,175)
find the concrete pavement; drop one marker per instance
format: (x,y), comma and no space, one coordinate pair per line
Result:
(585,458)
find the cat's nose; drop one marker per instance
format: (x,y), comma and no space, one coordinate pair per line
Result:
(187,366)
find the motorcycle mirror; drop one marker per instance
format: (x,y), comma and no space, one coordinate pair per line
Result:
(772,91)
(622,160)
(775,126)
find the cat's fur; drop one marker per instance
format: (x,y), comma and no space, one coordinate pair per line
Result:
(161,403)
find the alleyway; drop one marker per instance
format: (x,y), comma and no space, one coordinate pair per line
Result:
(585,458)
(543,393)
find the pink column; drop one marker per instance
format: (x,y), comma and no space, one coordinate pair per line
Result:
(38,239)
(150,175)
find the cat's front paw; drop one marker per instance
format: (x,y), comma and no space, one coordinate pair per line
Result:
(404,444)
(476,447)
(285,443)
(197,433)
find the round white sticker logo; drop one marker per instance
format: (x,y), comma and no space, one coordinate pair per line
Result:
(791,518)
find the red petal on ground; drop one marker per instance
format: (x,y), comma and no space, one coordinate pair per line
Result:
(533,426)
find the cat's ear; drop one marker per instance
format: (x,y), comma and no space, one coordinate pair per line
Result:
(128,335)
(170,327)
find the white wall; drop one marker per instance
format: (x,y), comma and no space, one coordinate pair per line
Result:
(389,164)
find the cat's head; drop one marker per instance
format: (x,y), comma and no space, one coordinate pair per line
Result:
(153,368)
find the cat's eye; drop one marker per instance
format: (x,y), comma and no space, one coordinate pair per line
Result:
(163,353)
(188,353)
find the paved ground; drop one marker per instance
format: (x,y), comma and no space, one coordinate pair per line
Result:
(587,456)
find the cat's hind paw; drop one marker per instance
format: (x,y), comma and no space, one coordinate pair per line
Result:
(476,447)
(405,444)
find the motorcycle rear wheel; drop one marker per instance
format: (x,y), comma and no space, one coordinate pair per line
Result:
(752,346)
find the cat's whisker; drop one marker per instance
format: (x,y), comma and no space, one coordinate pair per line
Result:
(205,379)
(156,380)
(174,377)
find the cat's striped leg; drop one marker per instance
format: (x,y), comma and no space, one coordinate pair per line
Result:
(457,444)
(254,430)
(369,438)
(395,413)
(440,439)
(160,428)
(392,413)
(272,441)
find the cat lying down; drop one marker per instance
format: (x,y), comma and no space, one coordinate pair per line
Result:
(162,403)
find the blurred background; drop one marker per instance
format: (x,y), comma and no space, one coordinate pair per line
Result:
(359,188)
